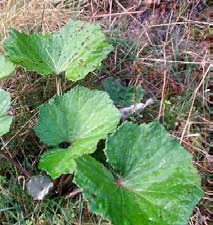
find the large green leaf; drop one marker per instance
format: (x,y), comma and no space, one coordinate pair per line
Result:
(5,118)
(152,179)
(6,68)
(77,49)
(122,95)
(80,119)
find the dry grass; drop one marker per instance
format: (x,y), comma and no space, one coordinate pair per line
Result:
(161,46)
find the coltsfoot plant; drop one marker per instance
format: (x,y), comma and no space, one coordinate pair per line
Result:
(148,177)
(6,67)
(121,95)
(77,49)
(79,119)
(5,117)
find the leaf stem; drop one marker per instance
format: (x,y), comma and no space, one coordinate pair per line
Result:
(58,85)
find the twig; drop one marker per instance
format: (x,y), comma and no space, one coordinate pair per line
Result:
(192,105)
(74,193)
(137,108)
(142,11)
(171,61)
(165,76)
(17,165)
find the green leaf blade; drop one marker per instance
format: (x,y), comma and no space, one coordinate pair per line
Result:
(6,68)
(102,179)
(5,119)
(81,118)
(77,49)
(54,160)
(154,178)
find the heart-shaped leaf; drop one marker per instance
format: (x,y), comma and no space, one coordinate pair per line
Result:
(77,49)
(77,120)
(6,68)
(5,118)
(152,180)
